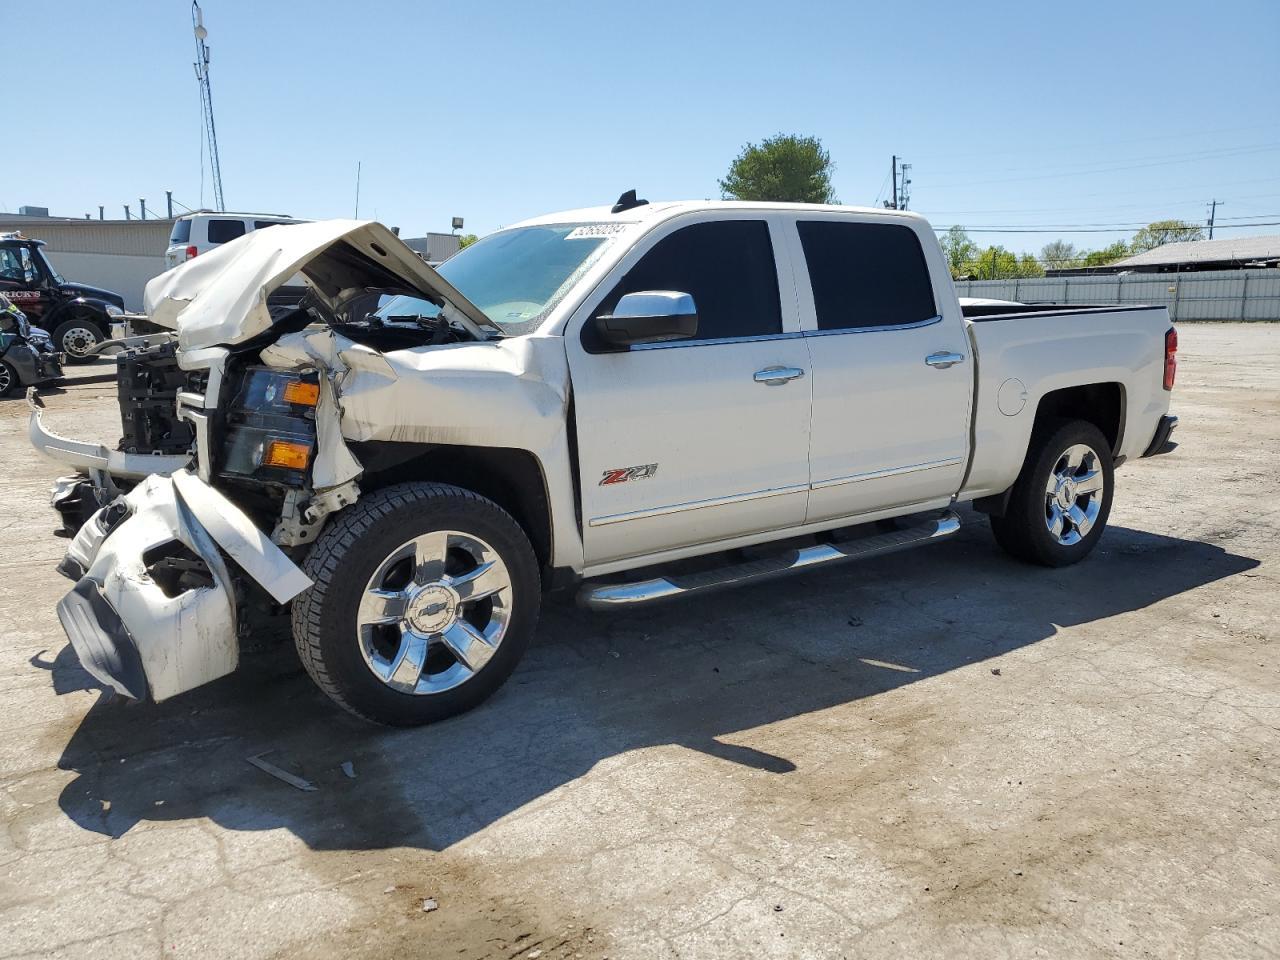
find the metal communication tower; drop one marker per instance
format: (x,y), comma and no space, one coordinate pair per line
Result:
(206,102)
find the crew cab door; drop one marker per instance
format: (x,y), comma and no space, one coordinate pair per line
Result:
(892,376)
(694,441)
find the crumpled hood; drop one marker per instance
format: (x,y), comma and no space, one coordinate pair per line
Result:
(220,298)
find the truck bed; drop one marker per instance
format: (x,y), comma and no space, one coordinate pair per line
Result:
(1052,347)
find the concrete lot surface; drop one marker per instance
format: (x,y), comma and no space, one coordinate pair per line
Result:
(939,754)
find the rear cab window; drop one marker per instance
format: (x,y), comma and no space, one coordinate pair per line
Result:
(727,266)
(221,231)
(866,275)
(181,234)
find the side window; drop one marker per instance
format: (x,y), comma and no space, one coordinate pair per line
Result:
(727,267)
(866,274)
(11,265)
(220,231)
(263,224)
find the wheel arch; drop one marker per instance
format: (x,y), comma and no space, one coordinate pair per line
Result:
(94,311)
(512,478)
(1102,404)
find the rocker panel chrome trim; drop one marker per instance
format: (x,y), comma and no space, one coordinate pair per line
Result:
(605,596)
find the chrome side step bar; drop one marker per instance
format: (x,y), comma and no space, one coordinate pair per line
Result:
(610,595)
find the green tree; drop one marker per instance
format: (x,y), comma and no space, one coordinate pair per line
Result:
(959,249)
(466,240)
(997,263)
(1058,255)
(785,168)
(1165,231)
(1100,258)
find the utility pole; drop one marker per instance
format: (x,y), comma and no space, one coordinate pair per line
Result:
(142,208)
(126,212)
(102,214)
(905,202)
(895,181)
(359,164)
(168,203)
(206,101)
(1213,211)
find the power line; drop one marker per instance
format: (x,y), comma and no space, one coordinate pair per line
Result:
(999,229)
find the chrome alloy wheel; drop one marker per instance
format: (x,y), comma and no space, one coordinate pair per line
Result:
(1073,494)
(78,341)
(434,612)
(6,379)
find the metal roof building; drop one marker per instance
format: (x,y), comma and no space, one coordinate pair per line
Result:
(1234,253)
(118,255)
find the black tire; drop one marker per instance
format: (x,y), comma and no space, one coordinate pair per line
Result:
(9,382)
(75,332)
(346,555)
(1023,531)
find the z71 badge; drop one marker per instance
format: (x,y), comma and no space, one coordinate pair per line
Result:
(642,472)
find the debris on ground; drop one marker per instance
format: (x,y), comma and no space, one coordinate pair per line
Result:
(390,889)
(282,775)
(429,904)
(349,769)
(995,671)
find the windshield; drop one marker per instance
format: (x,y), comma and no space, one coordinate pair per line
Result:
(517,277)
(54,275)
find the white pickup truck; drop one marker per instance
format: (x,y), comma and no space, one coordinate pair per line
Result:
(614,401)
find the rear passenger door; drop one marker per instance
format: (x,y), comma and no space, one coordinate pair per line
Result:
(892,376)
(694,441)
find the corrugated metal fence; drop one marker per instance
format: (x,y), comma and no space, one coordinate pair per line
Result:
(1207,295)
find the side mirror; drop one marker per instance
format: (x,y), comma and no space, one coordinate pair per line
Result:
(651,316)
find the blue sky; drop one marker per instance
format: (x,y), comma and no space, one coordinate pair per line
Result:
(1080,114)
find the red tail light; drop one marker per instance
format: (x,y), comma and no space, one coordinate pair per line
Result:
(1170,357)
(191,252)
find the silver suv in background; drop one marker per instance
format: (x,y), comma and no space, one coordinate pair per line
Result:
(200,232)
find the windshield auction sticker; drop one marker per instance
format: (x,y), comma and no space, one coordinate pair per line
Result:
(593,231)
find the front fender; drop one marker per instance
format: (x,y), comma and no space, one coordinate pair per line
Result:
(88,308)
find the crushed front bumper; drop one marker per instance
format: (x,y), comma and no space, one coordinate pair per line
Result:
(153,611)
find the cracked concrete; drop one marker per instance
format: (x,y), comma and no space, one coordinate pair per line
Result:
(829,767)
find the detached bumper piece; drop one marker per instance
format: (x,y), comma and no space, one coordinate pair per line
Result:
(153,611)
(1162,442)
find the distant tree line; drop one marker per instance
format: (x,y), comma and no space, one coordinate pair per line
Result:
(969,261)
(797,169)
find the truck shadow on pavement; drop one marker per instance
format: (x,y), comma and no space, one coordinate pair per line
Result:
(594,687)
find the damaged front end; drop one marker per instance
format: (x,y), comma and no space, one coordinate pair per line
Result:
(233,451)
(154,609)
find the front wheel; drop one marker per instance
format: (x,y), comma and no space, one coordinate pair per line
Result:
(76,338)
(1061,500)
(425,598)
(8,379)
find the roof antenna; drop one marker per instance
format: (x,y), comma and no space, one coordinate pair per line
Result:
(627,201)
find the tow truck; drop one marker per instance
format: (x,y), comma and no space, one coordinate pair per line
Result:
(78,316)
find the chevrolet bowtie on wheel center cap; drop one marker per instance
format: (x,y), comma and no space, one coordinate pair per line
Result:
(434,612)
(1073,494)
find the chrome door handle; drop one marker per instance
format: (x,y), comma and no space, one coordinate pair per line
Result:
(944,359)
(774,375)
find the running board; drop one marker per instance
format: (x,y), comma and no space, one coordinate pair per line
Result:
(610,595)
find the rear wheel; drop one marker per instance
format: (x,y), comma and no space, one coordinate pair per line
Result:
(1062,499)
(76,337)
(8,379)
(425,598)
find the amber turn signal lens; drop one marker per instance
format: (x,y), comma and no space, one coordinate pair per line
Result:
(299,392)
(285,453)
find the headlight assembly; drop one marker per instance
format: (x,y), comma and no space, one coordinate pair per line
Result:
(271,427)
(114,311)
